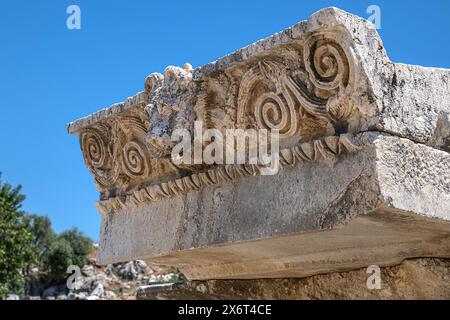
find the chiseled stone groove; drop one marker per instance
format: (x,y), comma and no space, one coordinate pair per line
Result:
(321,149)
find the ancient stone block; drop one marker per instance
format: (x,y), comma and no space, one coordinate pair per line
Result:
(363,156)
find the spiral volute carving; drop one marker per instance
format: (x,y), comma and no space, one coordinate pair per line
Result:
(97,156)
(273,112)
(327,63)
(135,160)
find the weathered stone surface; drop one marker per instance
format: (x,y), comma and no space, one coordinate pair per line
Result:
(364,144)
(333,67)
(413,279)
(388,177)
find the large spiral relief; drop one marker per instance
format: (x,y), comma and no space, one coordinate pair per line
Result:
(273,112)
(135,160)
(328,63)
(97,156)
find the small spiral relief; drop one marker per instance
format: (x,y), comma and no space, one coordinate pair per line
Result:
(272,112)
(97,156)
(327,63)
(94,148)
(135,160)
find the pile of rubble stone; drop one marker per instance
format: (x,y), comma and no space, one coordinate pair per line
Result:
(113,282)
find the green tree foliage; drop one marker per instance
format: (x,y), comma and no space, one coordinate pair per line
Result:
(43,237)
(28,240)
(41,228)
(15,239)
(71,247)
(58,258)
(81,245)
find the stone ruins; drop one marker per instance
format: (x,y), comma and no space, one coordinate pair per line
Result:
(364,158)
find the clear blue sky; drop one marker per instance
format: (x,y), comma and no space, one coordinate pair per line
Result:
(50,75)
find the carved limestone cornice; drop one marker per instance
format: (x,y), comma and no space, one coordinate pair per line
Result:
(321,78)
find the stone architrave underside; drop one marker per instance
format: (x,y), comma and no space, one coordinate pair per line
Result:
(364,155)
